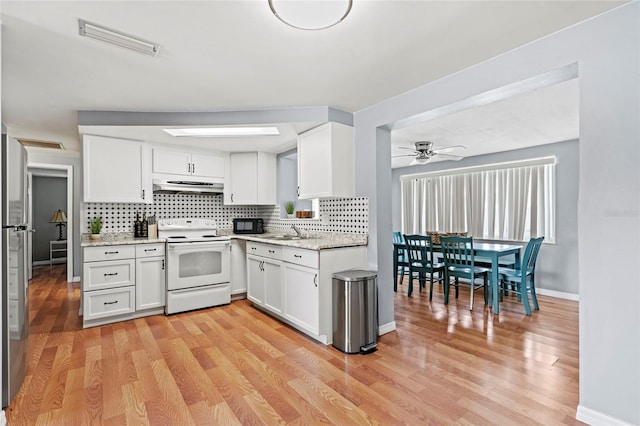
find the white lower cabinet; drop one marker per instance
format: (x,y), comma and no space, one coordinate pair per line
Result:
(264,281)
(302,296)
(122,282)
(295,285)
(150,282)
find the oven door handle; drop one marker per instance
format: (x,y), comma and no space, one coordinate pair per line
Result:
(177,247)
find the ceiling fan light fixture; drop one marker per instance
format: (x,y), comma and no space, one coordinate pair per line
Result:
(420,160)
(117,38)
(311,14)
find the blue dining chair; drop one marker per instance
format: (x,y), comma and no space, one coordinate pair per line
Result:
(522,277)
(459,262)
(421,262)
(400,260)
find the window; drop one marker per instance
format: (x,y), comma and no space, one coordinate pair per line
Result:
(508,201)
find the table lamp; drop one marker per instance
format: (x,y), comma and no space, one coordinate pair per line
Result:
(59,218)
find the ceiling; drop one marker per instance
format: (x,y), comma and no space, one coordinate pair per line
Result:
(235,55)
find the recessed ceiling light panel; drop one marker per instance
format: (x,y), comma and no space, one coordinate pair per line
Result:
(117,38)
(206,132)
(311,14)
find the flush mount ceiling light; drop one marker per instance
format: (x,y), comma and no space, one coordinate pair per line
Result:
(311,14)
(127,41)
(223,131)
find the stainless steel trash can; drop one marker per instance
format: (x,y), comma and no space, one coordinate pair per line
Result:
(355,311)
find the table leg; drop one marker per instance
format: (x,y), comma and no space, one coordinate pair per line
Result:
(494,283)
(395,268)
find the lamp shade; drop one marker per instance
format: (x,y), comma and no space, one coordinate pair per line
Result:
(58,217)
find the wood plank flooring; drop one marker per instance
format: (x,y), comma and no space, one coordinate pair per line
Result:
(235,365)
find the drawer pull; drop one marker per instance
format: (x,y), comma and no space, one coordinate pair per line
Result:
(272,251)
(299,256)
(111,274)
(110,252)
(150,250)
(111,303)
(315,280)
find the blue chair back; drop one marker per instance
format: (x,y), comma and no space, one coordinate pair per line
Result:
(458,251)
(397,237)
(419,248)
(531,255)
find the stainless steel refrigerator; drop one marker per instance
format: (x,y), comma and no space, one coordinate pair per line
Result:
(14,272)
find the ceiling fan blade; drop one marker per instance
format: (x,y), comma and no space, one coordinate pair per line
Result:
(404,147)
(450,157)
(403,155)
(449,148)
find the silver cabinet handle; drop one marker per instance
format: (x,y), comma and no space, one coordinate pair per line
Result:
(193,167)
(143,194)
(111,303)
(111,252)
(189,167)
(148,250)
(232,198)
(163,264)
(111,274)
(315,280)
(299,256)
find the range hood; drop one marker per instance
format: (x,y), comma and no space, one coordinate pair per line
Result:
(186,187)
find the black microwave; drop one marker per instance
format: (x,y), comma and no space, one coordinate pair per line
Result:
(248,226)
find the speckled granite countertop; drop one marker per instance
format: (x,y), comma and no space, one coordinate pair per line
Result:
(115,239)
(311,240)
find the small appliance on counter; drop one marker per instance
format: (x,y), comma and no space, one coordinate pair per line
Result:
(248,226)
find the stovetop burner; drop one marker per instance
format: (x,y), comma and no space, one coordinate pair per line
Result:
(189,229)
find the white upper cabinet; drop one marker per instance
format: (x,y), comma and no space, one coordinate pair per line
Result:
(325,162)
(251,179)
(187,164)
(115,170)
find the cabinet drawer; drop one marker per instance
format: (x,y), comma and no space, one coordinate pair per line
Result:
(309,258)
(265,250)
(107,303)
(110,274)
(149,250)
(96,254)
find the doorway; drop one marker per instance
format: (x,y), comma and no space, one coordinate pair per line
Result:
(50,214)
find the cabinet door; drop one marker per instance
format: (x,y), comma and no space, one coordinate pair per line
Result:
(244,178)
(238,266)
(273,297)
(314,163)
(255,280)
(301,296)
(171,162)
(207,165)
(115,171)
(150,282)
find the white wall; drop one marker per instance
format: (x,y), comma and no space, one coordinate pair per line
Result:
(557,267)
(607,51)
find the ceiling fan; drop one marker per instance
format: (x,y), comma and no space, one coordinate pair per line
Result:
(424,152)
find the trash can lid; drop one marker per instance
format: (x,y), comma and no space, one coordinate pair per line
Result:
(355,275)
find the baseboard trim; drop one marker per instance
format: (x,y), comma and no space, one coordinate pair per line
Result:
(558,294)
(75,280)
(596,418)
(3,418)
(387,328)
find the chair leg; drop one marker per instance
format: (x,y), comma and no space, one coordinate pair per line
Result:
(410,286)
(446,288)
(523,293)
(486,290)
(457,283)
(472,292)
(533,293)
(430,285)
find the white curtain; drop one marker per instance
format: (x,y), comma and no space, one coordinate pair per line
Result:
(511,203)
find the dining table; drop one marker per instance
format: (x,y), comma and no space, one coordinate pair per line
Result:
(492,251)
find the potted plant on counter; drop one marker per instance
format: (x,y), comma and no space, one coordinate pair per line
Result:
(289,206)
(96,227)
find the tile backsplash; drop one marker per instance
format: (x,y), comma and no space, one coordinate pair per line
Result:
(349,215)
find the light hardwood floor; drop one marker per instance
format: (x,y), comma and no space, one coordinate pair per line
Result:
(236,365)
